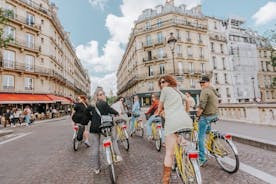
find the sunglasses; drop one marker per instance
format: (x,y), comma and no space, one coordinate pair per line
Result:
(101,94)
(162,82)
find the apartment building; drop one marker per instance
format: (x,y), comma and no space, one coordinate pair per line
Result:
(266,72)
(40,59)
(148,55)
(219,60)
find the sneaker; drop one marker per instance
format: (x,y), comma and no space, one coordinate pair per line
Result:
(202,163)
(97,171)
(119,158)
(87,144)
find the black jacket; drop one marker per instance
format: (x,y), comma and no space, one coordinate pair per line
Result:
(81,114)
(104,109)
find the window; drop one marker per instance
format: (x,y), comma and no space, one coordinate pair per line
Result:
(178,37)
(159,23)
(201,55)
(30,19)
(9,32)
(162,69)
(225,78)
(8,82)
(214,62)
(160,53)
(9,59)
(150,71)
(149,41)
(188,36)
(221,48)
(199,38)
(30,2)
(267,66)
(189,51)
(216,78)
(265,54)
(228,92)
(149,56)
(212,47)
(28,83)
(202,67)
(29,63)
(29,40)
(180,68)
(192,83)
(148,26)
(215,25)
(191,67)
(159,37)
(150,86)
(179,50)
(223,63)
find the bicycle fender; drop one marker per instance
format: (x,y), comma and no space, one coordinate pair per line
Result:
(108,155)
(233,146)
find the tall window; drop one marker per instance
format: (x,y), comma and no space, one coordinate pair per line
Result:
(150,71)
(160,53)
(28,83)
(180,68)
(215,25)
(159,37)
(150,86)
(149,40)
(201,54)
(225,78)
(178,50)
(228,92)
(212,47)
(148,26)
(30,19)
(9,32)
(178,37)
(29,63)
(216,78)
(188,36)
(189,51)
(30,40)
(192,83)
(159,23)
(191,67)
(8,81)
(214,62)
(9,59)
(162,68)
(221,48)
(203,68)
(199,38)
(223,63)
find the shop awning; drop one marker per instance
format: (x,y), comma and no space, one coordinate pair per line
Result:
(61,99)
(9,98)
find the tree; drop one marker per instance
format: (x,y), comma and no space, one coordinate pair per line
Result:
(4,16)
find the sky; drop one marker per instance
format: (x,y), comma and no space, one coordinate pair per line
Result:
(100,28)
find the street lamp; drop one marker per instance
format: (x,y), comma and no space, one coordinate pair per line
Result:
(253,83)
(171,41)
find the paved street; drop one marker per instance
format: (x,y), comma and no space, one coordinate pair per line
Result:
(43,154)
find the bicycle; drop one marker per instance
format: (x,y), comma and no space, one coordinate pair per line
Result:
(122,133)
(186,159)
(156,128)
(78,136)
(220,146)
(106,129)
(138,127)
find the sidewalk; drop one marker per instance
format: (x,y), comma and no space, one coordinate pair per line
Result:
(262,136)
(9,130)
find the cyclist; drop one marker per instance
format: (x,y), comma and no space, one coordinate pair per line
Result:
(135,113)
(175,116)
(120,108)
(151,113)
(207,111)
(82,116)
(105,109)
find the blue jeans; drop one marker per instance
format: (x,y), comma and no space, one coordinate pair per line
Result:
(27,119)
(152,119)
(203,126)
(132,123)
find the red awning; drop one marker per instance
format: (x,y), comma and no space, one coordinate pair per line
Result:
(9,98)
(61,99)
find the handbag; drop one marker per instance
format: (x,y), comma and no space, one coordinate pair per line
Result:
(104,118)
(183,101)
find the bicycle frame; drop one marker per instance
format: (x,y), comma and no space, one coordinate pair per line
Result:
(156,127)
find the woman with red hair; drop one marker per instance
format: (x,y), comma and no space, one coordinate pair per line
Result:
(175,118)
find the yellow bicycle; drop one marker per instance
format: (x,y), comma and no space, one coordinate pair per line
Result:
(157,134)
(138,128)
(186,159)
(122,133)
(220,146)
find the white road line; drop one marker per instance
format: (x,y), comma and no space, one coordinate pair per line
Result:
(17,137)
(253,171)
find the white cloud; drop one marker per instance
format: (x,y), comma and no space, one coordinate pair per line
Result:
(119,28)
(265,14)
(100,3)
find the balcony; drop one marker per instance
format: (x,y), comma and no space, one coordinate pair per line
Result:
(154,59)
(179,55)
(32,5)
(28,88)
(24,45)
(147,45)
(218,38)
(24,22)
(190,56)
(8,89)
(161,41)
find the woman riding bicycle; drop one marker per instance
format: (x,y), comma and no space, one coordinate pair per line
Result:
(120,108)
(135,113)
(175,116)
(104,109)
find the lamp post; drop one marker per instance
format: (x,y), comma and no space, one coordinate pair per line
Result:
(171,41)
(253,83)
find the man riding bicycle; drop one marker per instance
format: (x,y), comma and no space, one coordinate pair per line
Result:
(207,111)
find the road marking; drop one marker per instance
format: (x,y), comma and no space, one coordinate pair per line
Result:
(253,171)
(17,137)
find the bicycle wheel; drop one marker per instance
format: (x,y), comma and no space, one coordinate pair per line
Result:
(191,172)
(112,173)
(75,144)
(140,129)
(226,155)
(158,142)
(124,140)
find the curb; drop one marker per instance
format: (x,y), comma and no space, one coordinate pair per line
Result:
(50,120)
(256,142)
(5,132)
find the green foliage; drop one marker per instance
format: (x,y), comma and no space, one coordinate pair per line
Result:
(111,100)
(4,16)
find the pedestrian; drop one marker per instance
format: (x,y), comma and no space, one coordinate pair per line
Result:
(135,113)
(27,115)
(7,117)
(207,111)
(104,109)
(176,117)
